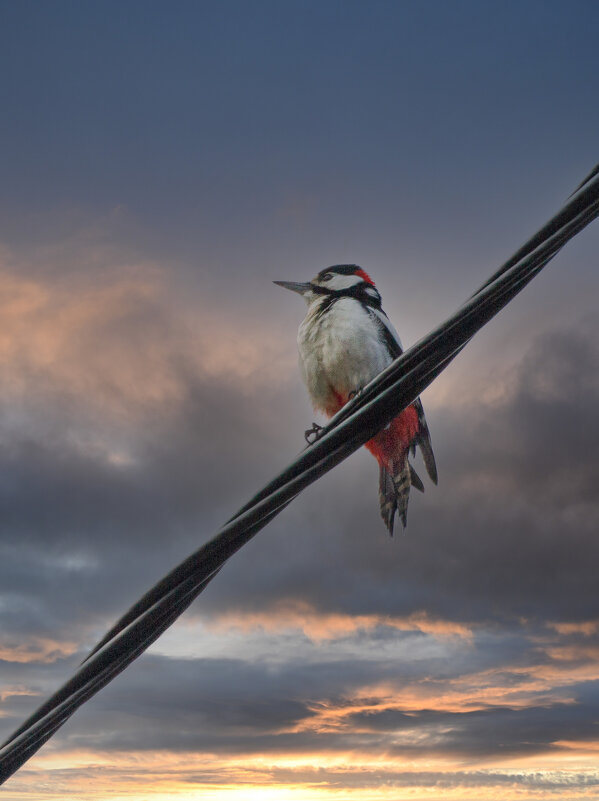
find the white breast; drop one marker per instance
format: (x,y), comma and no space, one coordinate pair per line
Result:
(340,352)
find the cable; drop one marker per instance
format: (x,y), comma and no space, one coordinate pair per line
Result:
(357,422)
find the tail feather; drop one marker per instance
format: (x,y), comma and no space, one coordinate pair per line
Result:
(423,439)
(387,498)
(391,447)
(428,456)
(394,492)
(415,480)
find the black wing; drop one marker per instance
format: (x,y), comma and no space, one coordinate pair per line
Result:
(423,438)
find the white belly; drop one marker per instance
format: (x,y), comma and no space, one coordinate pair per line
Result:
(340,352)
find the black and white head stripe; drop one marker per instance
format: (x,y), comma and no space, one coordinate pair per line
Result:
(346,280)
(341,269)
(345,269)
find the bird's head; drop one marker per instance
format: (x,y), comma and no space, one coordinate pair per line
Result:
(341,280)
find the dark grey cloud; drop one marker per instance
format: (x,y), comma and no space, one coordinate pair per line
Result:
(232,706)
(496,731)
(508,535)
(81,530)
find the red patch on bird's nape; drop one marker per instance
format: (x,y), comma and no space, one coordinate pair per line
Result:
(364,275)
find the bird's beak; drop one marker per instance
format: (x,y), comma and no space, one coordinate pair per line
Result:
(294,286)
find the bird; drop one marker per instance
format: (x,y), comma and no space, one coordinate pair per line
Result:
(344,341)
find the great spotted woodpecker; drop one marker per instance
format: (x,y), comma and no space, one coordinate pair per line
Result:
(344,341)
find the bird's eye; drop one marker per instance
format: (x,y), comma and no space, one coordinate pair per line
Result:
(326,277)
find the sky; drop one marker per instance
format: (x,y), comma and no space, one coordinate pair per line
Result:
(160,165)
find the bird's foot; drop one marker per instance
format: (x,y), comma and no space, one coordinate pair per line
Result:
(354,393)
(312,434)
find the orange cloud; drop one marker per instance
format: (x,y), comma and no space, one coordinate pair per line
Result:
(120,342)
(587,627)
(35,649)
(81,337)
(319,626)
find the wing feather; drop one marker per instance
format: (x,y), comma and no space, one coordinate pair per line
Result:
(423,438)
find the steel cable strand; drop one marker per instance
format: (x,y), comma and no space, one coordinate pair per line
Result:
(87,682)
(500,294)
(358,402)
(577,202)
(96,673)
(417,367)
(496,296)
(115,656)
(122,662)
(226,557)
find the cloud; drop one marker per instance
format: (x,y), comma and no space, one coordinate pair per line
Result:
(319,625)
(509,534)
(378,706)
(99,472)
(123,425)
(130,430)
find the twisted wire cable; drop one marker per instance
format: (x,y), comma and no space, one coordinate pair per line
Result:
(358,421)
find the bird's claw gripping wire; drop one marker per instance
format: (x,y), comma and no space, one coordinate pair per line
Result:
(311,435)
